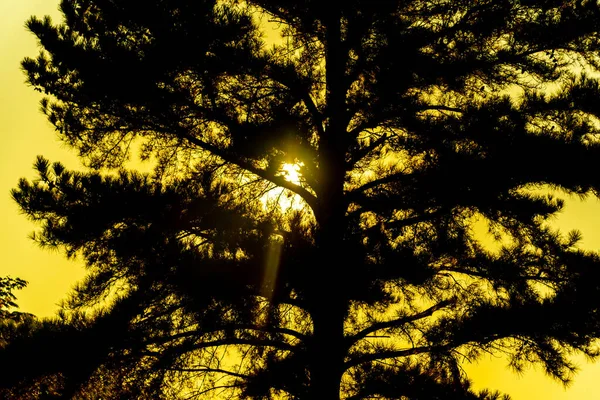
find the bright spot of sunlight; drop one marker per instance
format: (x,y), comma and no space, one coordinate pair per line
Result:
(291,172)
(282,198)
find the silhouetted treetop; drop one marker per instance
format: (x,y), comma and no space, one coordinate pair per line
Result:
(8,299)
(433,140)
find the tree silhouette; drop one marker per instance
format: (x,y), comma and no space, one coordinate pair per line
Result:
(7,299)
(420,129)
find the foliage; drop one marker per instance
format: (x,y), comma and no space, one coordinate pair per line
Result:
(7,298)
(427,135)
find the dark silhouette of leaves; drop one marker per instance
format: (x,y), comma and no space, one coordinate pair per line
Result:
(416,126)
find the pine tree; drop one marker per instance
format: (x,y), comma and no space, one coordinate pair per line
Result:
(420,129)
(7,299)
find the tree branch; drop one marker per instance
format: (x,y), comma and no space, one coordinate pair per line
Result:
(310,199)
(234,328)
(386,355)
(439,107)
(241,341)
(399,321)
(486,276)
(315,113)
(376,182)
(414,220)
(361,153)
(210,370)
(298,92)
(215,388)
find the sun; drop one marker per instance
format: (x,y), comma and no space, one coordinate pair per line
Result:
(291,172)
(282,198)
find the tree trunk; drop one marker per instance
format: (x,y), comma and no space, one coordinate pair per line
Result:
(327,353)
(327,350)
(329,298)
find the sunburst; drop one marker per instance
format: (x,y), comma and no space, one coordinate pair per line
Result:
(282,198)
(291,172)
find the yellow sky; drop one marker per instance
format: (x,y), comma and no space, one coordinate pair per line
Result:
(25,134)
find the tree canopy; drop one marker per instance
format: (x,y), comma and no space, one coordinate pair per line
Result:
(7,298)
(432,140)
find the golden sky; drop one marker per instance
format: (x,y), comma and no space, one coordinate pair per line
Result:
(26,133)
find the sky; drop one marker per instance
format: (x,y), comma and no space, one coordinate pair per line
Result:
(25,134)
